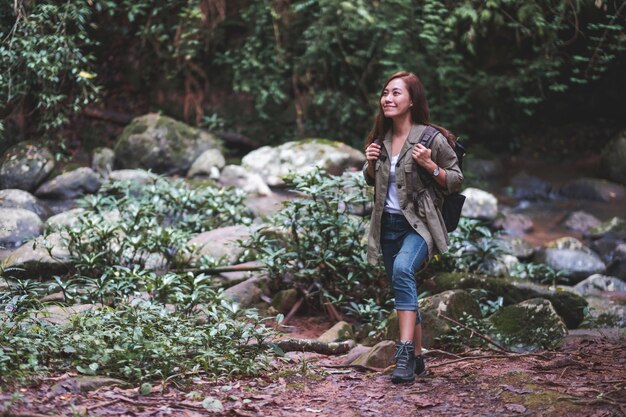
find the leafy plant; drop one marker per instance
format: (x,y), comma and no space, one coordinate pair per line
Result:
(539,272)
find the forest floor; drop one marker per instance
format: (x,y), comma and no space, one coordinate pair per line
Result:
(585,377)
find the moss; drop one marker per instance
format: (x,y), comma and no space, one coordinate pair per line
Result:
(615,225)
(177,128)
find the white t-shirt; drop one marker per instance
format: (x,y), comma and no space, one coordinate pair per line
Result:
(392,205)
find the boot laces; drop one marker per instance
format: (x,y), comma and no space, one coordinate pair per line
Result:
(402,355)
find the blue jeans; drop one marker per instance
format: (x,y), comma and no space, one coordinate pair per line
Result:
(404,251)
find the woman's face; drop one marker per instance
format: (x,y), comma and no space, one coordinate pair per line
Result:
(395,100)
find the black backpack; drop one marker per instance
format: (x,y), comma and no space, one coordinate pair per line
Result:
(453,203)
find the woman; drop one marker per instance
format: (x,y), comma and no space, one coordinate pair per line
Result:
(406,220)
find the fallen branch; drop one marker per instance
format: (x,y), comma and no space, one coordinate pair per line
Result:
(317,346)
(250,266)
(476,332)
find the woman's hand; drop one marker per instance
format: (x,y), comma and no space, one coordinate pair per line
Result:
(372,152)
(421,155)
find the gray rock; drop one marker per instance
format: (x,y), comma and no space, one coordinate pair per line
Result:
(15,198)
(568,242)
(35,261)
(530,325)
(614,158)
(479,204)
(354,353)
(515,224)
(593,189)
(70,185)
(518,248)
(615,228)
(501,266)
(284,300)
(339,332)
(102,161)
(581,221)
(301,157)
(82,384)
(207,163)
(597,283)
(68,218)
(240,177)
(604,312)
(575,264)
(25,165)
(139,176)
(617,267)
(529,187)
(17,226)
(484,168)
(247,293)
(60,315)
(220,243)
(380,356)
(161,144)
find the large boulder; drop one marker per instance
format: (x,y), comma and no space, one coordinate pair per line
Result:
(65,219)
(70,185)
(617,267)
(529,187)
(161,144)
(593,189)
(581,221)
(615,227)
(207,164)
(239,177)
(515,224)
(614,158)
(572,263)
(247,293)
(597,284)
(479,204)
(274,163)
(220,243)
(17,226)
(530,325)
(42,258)
(15,198)
(25,165)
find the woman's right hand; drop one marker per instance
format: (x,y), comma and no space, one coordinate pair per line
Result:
(372,152)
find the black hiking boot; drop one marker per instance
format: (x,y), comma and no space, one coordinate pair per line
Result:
(420,368)
(405,363)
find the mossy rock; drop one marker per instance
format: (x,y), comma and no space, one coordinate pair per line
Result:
(339,332)
(284,300)
(614,227)
(614,158)
(530,325)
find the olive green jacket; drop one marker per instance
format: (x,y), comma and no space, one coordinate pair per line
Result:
(425,214)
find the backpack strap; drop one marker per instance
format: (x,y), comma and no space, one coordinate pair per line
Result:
(426,139)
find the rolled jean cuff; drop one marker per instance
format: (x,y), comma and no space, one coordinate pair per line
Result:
(409,307)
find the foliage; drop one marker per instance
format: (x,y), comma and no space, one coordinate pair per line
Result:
(372,316)
(460,338)
(539,272)
(317,245)
(137,341)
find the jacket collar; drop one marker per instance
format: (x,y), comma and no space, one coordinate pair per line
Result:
(414,136)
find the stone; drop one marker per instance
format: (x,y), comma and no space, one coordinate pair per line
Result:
(161,144)
(247,293)
(581,221)
(82,384)
(15,198)
(220,243)
(518,248)
(33,260)
(70,185)
(515,224)
(206,163)
(139,176)
(102,161)
(617,266)
(284,300)
(274,163)
(568,242)
(339,332)
(483,168)
(500,266)
(60,315)
(479,204)
(615,227)
(240,177)
(574,264)
(530,325)
(529,187)
(593,189)
(18,226)
(65,219)
(354,353)
(597,284)
(25,165)
(379,356)
(613,158)
(604,312)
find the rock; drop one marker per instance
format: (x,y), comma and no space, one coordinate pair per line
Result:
(82,384)
(14,198)
(239,177)
(615,227)
(25,165)
(139,176)
(34,261)
(207,163)
(17,226)
(354,353)
(515,224)
(530,325)
(161,144)
(301,157)
(339,332)
(529,187)
(220,243)
(597,284)
(613,158)
(60,315)
(380,356)
(604,247)
(604,312)
(581,221)
(593,189)
(575,264)
(284,300)
(102,161)
(568,305)
(247,293)
(617,267)
(518,248)
(479,204)
(70,185)
(68,218)
(500,266)
(484,168)
(568,242)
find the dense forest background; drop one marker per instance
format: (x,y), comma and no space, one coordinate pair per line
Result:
(500,73)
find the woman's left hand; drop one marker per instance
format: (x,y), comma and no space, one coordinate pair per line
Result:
(421,155)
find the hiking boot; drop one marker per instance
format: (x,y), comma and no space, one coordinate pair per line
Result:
(405,363)
(420,368)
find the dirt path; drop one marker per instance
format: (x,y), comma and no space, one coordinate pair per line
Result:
(586,377)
